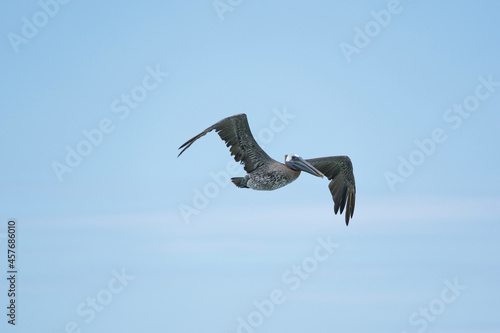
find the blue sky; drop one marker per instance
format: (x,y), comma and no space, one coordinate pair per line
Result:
(115,233)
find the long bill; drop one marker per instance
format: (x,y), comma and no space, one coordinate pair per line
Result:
(300,164)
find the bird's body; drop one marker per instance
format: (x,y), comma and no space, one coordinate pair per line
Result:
(268,177)
(267,174)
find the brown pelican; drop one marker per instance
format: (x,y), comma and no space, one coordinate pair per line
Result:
(265,173)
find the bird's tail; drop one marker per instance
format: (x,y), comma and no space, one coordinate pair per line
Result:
(240,181)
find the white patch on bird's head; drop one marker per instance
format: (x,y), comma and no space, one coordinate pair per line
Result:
(289,157)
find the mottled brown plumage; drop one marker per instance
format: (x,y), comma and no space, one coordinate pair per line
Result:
(265,173)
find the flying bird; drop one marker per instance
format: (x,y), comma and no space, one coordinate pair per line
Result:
(265,173)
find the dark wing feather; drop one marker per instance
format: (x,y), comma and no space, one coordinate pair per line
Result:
(236,133)
(338,169)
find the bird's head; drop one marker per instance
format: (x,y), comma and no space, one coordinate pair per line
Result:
(297,163)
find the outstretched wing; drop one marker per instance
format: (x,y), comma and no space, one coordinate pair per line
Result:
(236,133)
(338,169)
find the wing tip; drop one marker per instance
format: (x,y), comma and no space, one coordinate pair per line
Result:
(185,146)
